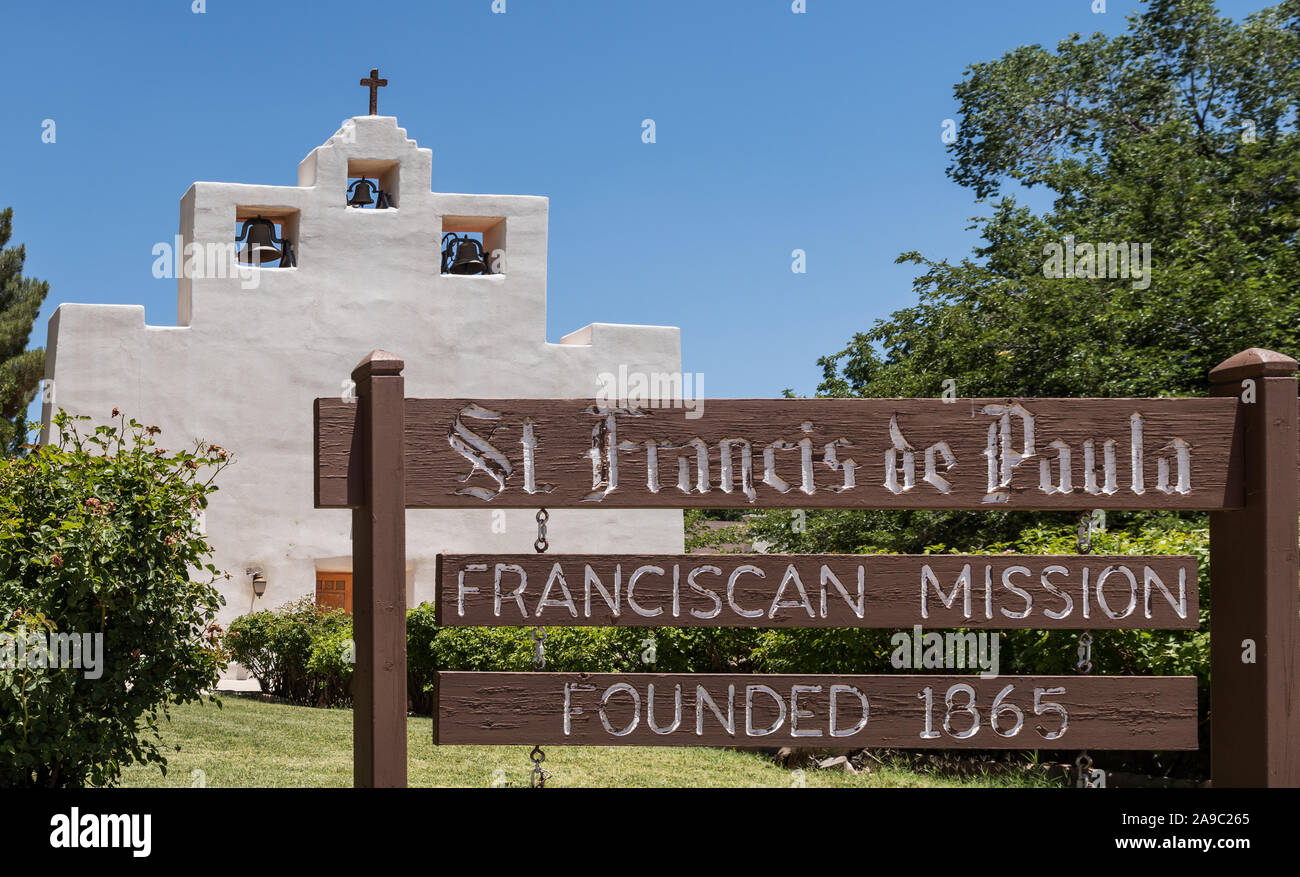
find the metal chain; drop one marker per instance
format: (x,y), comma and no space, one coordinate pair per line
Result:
(539,775)
(540,542)
(1087,777)
(1083,765)
(1084,667)
(539,648)
(539,632)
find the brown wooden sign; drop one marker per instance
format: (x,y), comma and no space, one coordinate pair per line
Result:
(833,590)
(925,712)
(1236,454)
(805,453)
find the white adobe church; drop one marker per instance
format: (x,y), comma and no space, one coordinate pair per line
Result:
(252,351)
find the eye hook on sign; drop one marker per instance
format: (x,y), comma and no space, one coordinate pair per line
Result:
(540,775)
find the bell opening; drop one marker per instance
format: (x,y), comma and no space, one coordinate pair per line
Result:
(464,254)
(372,184)
(361,193)
(266,237)
(473,245)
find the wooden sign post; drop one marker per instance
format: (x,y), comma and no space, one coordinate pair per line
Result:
(376,468)
(1234,455)
(1255,584)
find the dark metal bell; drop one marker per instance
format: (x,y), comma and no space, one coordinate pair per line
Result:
(469,258)
(260,248)
(361,193)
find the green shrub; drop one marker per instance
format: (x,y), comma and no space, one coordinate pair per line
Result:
(330,659)
(99,536)
(249,642)
(300,652)
(481,648)
(420,661)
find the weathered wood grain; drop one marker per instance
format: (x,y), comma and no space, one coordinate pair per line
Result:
(833,590)
(1104,712)
(379,580)
(823,453)
(1255,563)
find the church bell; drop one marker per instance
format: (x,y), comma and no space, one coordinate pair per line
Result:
(260,248)
(463,255)
(361,194)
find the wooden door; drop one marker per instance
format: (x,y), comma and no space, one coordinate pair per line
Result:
(334,590)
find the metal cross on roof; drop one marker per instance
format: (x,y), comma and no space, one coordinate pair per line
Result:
(374,83)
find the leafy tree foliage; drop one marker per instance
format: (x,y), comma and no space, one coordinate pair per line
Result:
(20,369)
(1180,133)
(99,536)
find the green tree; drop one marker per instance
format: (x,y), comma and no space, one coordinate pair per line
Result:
(1180,134)
(21,369)
(100,537)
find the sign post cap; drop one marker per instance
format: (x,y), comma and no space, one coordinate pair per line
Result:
(1254,362)
(378,362)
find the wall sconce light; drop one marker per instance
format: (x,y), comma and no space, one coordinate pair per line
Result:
(262,239)
(462,255)
(258,579)
(362,193)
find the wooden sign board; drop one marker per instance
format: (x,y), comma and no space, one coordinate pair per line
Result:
(800,453)
(1234,454)
(834,590)
(915,712)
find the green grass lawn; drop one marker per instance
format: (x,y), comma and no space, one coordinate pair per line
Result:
(250,743)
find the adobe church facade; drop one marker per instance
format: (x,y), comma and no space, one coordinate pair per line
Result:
(253,350)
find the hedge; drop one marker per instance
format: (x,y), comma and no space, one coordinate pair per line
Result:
(303,654)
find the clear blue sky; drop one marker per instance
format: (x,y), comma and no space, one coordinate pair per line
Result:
(775,131)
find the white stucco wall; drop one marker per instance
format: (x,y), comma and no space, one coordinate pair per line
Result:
(243,367)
